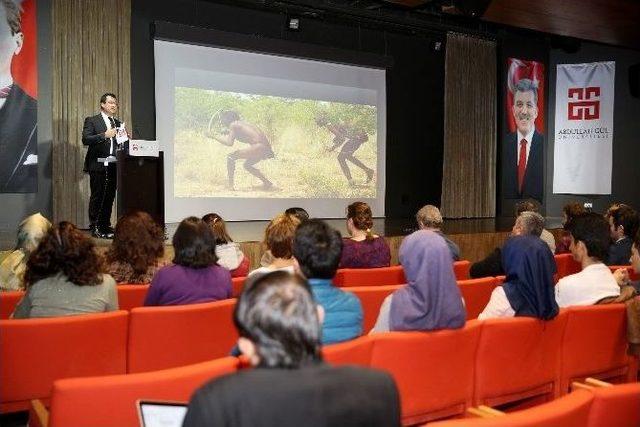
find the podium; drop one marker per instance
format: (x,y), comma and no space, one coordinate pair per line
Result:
(141,185)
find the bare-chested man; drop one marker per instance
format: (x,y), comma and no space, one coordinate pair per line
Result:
(352,138)
(259,147)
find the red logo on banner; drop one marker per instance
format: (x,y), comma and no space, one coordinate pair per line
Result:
(584,103)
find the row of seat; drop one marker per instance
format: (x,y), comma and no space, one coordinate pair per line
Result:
(491,362)
(594,407)
(497,361)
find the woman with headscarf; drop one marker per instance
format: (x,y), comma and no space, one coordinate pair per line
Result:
(528,289)
(431,300)
(30,231)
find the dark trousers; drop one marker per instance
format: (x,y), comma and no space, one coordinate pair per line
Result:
(103,186)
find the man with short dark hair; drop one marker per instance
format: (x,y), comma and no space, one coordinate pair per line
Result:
(317,248)
(623,223)
(99,135)
(280,327)
(18,111)
(589,243)
(523,160)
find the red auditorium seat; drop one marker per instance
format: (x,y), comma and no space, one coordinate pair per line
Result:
(131,296)
(354,352)
(566,265)
(476,294)
(111,400)
(461,269)
(36,352)
(371,298)
(518,358)
(383,276)
(8,302)
(171,336)
(237,284)
(594,345)
(571,410)
(616,406)
(433,370)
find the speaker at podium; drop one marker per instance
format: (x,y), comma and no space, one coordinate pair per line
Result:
(141,179)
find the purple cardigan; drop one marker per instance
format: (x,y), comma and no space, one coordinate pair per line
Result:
(365,254)
(176,284)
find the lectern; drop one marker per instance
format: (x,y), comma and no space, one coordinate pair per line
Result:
(141,185)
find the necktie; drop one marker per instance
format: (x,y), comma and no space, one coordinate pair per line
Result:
(113,125)
(522,163)
(113,122)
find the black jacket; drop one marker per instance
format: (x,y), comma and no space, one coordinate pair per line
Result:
(93,137)
(532,186)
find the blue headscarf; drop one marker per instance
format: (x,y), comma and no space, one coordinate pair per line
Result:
(529,266)
(431,299)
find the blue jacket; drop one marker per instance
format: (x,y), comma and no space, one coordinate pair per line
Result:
(342,312)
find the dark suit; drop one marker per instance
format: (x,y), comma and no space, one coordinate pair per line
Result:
(102,179)
(312,396)
(18,140)
(533,182)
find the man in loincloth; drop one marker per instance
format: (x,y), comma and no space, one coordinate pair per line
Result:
(352,137)
(259,147)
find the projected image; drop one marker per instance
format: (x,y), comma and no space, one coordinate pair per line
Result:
(230,144)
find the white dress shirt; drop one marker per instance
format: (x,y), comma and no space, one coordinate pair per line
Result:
(587,287)
(498,306)
(107,122)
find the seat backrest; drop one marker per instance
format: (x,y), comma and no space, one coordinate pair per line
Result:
(476,294)
(35,352)
(433,370)
(571,410)
(131,296)
(566,265)
(111,400)
(461,269)
(595,343)
(237,285)
(518,358)
(371,298)
(616,406)
(354,352)
(382,276)
(171,336)
(8,302)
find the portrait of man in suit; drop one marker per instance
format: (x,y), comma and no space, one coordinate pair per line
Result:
(523,153)
(18,111)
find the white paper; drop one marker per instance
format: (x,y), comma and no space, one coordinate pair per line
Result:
(121,134)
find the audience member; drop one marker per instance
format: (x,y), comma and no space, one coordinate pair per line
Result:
(532,205)
(431,300)
(527,223)
(363,249)
(194,276)
(316,249)
(589,243)
(279,327)
(623,223)
(429,218)
(278,240)
(528,287)
(137,251)
(568,211)
(64,276)
(622,274)
(301,215)
(30,232)
(228,252)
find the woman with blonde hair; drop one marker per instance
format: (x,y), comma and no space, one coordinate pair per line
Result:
(229,254)
(363,249)
(278,239)
(30,231)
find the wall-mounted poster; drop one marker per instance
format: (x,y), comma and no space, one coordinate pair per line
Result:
(583,145)
(18,94)
(523,146)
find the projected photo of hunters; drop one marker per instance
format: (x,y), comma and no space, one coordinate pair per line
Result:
(230,144)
